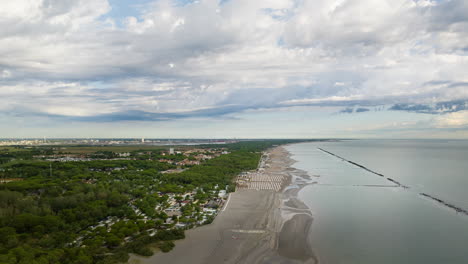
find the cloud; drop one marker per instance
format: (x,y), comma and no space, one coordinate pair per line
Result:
(350,110)
(437,108)
(347,111)
(452,120)
(73,59)
(69,114)
(412,108)
(362,110)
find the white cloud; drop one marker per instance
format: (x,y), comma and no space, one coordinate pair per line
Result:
(452,120)
(208,54)
(5,74)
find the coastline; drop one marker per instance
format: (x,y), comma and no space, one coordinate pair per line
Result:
(293,241)
(256,226)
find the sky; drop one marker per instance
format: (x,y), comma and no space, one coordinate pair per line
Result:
(234,68)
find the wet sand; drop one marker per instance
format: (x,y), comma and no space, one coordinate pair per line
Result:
(256,226)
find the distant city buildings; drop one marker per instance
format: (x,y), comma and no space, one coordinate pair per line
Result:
(103,142)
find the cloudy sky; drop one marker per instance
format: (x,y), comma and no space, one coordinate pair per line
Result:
(234,68)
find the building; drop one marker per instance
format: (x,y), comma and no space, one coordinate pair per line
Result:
(222,194)
(171,151)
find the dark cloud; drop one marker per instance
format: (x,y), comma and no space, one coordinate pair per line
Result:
(131,115)
(458,84)
(362,110)
(350,110)
(347,111)
(452,106)
(447,13)
(441,107)
(411,108)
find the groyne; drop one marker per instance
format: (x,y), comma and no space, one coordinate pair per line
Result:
(365,168)
(359,185)
(446,204)
(439,201)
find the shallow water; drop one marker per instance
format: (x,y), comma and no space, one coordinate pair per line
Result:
(358,223)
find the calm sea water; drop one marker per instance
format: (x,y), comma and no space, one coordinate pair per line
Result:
(358,223)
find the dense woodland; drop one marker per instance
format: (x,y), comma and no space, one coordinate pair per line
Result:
(49,214)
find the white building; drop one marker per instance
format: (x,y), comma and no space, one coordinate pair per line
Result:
(222,193)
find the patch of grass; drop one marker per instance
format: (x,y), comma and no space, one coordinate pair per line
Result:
(12,149)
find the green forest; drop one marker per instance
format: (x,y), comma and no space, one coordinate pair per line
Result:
(87,211)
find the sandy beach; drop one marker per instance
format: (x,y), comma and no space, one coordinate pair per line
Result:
(255,226)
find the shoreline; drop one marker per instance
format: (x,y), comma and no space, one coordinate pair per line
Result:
(255,226)
(297,216)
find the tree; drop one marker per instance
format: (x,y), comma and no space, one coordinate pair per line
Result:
(166,246)
(112,240)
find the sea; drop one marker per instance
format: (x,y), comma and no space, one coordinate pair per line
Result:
(361,217)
